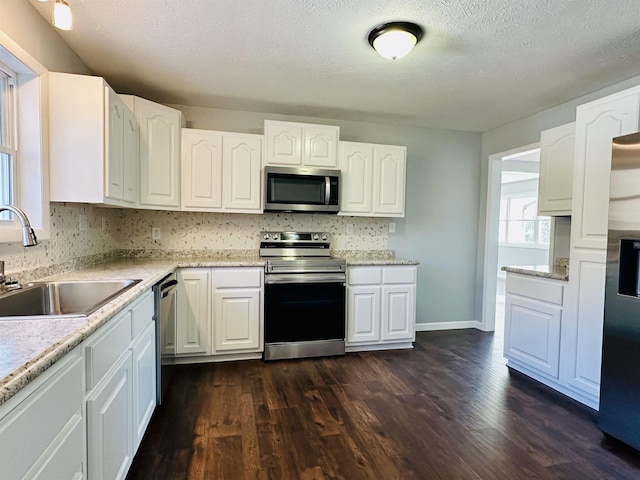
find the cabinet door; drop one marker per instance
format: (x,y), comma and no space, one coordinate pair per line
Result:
(398,312)
(242,173)
(131,154)
(201,170)
(389,178)
(193,325)
(363,314)
(283,143)
(144,382)
(114,157)
(597,123)
(584,322)
(532,334)
(109,424)
(320,146)
(356,166)
(237,320)
(555,187)
(159,154)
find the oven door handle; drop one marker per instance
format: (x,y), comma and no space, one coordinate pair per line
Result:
(282,278)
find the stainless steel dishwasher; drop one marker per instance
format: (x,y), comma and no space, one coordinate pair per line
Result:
(166,311)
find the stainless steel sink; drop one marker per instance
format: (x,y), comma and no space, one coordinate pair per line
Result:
(60,299)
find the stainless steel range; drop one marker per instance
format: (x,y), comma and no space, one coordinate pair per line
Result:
(304,296)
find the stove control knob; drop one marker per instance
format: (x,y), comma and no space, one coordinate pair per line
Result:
(266,236)
(324,237)
(275,236)
(316,236)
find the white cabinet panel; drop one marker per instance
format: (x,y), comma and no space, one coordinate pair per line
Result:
(201,169)
(236,319)
(585,321)
(373,179)
(363,313)
(144,381)
(193,325)
(242,173)
(597,123)
(555,187)
(532,334)
(398,312)
(300,144)
(109,420)
(115,146)
(159,153)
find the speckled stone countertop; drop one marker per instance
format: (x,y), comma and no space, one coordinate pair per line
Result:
(554,272)
(29,347)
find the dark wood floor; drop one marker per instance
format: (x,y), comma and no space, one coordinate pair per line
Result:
(448,409)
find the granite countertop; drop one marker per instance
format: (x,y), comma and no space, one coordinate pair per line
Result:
(554,272)
(29,347)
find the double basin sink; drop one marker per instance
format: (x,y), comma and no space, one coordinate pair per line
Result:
(60,299)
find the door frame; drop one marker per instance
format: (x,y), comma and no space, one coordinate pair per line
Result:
(491,244)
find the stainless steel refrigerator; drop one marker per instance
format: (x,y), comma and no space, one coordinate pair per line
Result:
(619,413)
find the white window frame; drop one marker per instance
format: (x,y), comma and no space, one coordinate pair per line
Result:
(536,221)
(31,176)
(8,146)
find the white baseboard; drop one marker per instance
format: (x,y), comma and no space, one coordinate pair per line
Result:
(428,327)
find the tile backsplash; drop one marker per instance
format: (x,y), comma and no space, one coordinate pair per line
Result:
(110,230)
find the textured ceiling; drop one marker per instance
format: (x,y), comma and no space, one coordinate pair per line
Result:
(482,63)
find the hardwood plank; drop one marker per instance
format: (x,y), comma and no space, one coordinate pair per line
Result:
(448,409)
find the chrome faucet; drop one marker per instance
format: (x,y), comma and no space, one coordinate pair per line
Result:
(28,235)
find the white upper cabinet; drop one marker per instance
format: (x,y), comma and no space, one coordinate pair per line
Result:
(555,188)
(159,153)
(221,171)
(597,123)
(93,151)
(373,179)
(301,144)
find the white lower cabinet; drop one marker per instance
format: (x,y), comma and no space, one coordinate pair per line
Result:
(219,314)
(41,427)
(532,332)
(109,423)
(381,307)
(237,310)
(120,369)
(193,324)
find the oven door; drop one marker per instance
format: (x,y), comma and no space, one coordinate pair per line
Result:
(303,308)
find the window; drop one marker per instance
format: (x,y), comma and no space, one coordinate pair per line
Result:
(8,152)
(519,223)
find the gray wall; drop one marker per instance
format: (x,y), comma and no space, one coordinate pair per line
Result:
(441,223)
(517,134)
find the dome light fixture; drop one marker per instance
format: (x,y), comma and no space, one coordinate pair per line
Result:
(62,18)
(395,40)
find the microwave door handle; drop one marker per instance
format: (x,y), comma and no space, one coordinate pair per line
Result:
(327,190)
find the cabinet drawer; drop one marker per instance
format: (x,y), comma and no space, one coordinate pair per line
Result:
(364,275)
(541,289)
(103,353)
(38,422)
(237,277)
(398,275)
(142,314)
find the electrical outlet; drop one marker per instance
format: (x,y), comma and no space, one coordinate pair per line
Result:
(83,222)
(392,227)
(349,228)
(155,233)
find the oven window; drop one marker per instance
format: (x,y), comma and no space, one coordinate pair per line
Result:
(304,312)
(296,189)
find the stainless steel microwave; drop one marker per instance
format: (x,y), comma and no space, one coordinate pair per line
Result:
(300,189)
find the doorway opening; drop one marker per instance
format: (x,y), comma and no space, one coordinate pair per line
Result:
(515,235)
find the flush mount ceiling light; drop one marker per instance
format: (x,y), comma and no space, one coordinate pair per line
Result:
(62,17)
(395,40)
